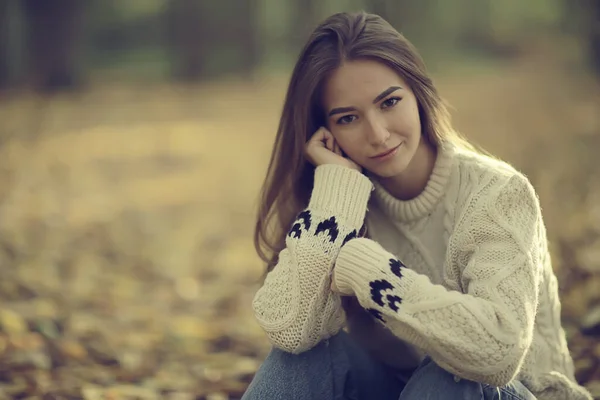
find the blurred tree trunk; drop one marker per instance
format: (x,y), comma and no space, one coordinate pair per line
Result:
(379,7)
(4,40)
(406,16)
(188,38)
(397,13)
(304,19)
(206,39)
(477,29)
(594,34)
(54,31)
(247,40)
(582,17)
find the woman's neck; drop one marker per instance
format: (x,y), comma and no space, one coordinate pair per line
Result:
(413,180)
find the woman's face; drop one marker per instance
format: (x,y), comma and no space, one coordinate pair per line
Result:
(371,110)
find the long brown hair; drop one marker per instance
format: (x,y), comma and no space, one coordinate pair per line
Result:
(341,37)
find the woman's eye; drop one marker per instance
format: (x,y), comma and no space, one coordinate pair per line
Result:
(392,101)
(346,119)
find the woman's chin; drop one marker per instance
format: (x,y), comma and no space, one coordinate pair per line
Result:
(386,171)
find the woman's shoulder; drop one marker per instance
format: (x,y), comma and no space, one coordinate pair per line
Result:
(479,162)
(485,167)
(496,193)
(490,176)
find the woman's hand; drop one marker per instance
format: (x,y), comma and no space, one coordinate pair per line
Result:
(323,149)
(334,288)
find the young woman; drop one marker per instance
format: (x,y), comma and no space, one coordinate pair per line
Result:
(451,295)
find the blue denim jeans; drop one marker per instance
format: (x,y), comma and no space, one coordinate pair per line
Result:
(340,369)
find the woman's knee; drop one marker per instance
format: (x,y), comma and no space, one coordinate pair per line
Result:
(430,381)
(315,373)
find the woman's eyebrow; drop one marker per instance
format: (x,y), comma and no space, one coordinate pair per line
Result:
(387,91)
(341,110)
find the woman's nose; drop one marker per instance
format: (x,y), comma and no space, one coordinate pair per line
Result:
(377,131)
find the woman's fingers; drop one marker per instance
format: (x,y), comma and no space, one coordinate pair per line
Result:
(329,141)
(337,149)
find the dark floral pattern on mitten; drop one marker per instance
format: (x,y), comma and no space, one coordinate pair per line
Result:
(330,226)
(304,218)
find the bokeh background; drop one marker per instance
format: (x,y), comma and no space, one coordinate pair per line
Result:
(134,136)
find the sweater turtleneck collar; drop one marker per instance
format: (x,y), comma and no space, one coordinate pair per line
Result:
(425,202)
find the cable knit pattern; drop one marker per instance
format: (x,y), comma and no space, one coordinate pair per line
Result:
(295,306)
(461,273)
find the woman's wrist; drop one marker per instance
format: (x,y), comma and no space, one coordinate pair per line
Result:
(342,192)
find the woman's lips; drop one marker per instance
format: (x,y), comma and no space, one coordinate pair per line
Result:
(386,154)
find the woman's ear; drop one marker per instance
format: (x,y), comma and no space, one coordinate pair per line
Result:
(422,119)
(320,117)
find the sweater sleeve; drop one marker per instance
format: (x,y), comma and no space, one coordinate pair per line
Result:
(482,333)
(295,306)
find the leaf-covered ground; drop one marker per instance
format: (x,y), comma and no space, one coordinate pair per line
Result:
(126,212)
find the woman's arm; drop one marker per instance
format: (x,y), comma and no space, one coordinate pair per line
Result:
(484,333)
(295,306)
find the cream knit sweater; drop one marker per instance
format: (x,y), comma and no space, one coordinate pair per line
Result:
(461,273)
